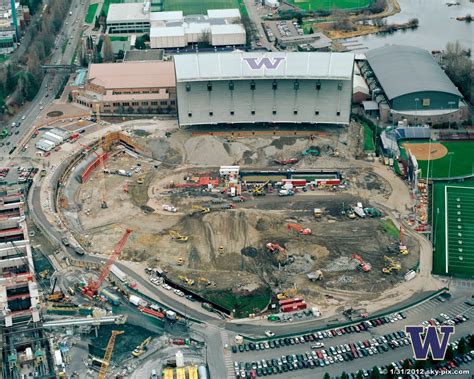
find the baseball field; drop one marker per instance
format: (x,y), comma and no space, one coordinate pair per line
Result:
(312,5)
(198,6)
(444,159)
(453,228)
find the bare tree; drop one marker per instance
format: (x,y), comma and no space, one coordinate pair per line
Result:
(204,38)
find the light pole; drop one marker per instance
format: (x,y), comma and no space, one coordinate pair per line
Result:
(450,160)
(450,103)
(416,109)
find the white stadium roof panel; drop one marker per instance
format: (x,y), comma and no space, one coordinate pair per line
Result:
(227,29)
(167,16)
(174,31)
(258,65)
(223,13)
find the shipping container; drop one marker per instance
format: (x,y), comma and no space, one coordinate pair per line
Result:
(112,298)
(151,312)
(293,307)
(290,301)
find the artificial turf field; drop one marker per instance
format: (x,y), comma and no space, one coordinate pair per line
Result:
(453,228)
(461,154)
(312,5)
(198,6)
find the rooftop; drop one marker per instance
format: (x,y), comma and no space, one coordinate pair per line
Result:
(127,12)
(237,65)
(144,55)
(402,70)
(223,13)
(146,74)
(227,29)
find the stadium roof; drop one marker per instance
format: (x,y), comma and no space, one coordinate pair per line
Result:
(402,70)
(233,65)
(146,74)
(227,29)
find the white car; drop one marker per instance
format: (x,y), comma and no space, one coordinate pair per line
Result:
(23,117)
(166,287)
(269,333)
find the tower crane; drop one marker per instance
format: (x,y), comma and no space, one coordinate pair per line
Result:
(90,290)
(108,353)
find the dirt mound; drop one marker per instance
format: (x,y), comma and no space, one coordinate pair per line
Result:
(210,151)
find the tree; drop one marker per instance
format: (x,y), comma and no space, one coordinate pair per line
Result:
(406,364)
(462,346)
(299,18)
(449,353)
(375,374)
(471,341)
(420,364)
(344,375)
(107,49)
(311,31)
(11,80)
(327,376)
(97,23)
(146,37)
(458,67)
(204,39)
(140,43)
(120,54)
(360,375)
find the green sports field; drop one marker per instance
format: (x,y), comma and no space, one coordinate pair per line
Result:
(198,6)
(313,5)
(460,157)
(453,228)
(91,13)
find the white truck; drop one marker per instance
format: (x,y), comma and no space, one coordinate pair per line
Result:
(169,208)
(285,192)
(359,210)
(137,301)
(124,173)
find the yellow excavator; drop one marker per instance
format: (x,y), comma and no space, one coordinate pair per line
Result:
(108,354)
(186,280)
(257,191)
(392,265)
(200,209)
(287,294)
(178,236)
(140,179)
(140,349)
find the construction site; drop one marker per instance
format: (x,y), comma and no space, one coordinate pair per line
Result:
(239,220)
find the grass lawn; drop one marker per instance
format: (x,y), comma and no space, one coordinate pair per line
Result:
(312,5)
(91,13)
(389,227)
(462,161)
(118,38)
(460,228)
(199,6)
(368,138)
(243,305)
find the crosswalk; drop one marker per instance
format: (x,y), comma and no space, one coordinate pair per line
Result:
(228,361)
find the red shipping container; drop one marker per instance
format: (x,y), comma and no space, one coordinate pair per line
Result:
(290,301)
(293,307)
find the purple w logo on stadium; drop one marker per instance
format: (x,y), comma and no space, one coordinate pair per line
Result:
(257,64)
(431,341)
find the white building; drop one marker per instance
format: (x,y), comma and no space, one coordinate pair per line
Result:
(128,18)
(45,145)
(256,87)
(272,3)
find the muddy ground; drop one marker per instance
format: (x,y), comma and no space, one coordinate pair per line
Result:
(227,247)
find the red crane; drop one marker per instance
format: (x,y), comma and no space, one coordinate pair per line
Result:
(366,267)
(90,290)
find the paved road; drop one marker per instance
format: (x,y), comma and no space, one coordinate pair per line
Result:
(255,18)
(29,114)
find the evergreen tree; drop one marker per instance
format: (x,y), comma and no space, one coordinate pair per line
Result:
(471,341)
(344,375)
(375,374)
(360,375)
(11,80)
(449,353)
(107,50)
(327,376)
(462,347)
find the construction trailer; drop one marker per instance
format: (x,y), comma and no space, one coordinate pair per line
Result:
(45,145)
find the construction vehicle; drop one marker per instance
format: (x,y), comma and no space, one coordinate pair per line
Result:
(299,229)
(402,247)
(55,296)
(125,186)
(285,162)
(140,179)
(204,280)
(274,247)
(287,294)
(108,354)
(317,212)
(180,262)
(200,209)
(4,133)
(364,266)
(393,265)
(286,192)
(91,288)
(177,236)
(258,191)
(314,151)
(186,280)
(140,349)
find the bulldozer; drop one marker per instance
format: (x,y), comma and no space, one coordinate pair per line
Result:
(300,229)
(200,209)
(180,262)
(393,265)
(186,280)
(177,236)
(141,179)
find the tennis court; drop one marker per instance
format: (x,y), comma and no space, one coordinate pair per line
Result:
(453,227)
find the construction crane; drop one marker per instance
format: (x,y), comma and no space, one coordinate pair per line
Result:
(364,266)
(108,353)
(90,290)
(393,265)
(177,236)
(55,296)
(300,229)
(274,247)
(257,191)
(200,209)
(402,247)
(140,349)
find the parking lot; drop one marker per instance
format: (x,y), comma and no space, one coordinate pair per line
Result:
(377,343)
(13,174)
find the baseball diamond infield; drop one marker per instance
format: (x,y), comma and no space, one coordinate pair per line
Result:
(422,150)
